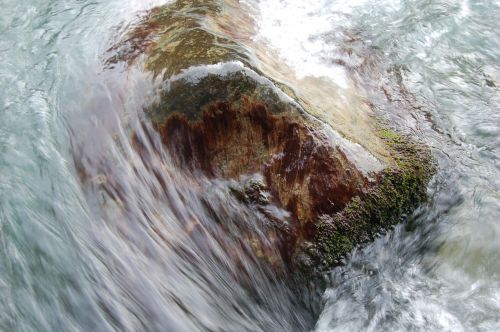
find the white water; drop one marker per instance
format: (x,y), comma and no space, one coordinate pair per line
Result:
(71,260)
(444,273)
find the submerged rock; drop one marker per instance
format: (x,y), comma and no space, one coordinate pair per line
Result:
(222,111)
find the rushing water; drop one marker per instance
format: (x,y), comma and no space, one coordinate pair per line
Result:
(71,258)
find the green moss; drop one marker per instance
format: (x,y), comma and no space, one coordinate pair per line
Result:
(396,192)
(388,134)
(332,246)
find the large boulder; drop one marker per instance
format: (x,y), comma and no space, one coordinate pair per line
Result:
(225,110)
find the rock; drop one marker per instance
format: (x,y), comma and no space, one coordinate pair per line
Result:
(223,111)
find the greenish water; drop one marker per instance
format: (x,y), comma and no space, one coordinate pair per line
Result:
(72,260)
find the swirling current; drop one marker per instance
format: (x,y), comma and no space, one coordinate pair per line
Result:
(72,258)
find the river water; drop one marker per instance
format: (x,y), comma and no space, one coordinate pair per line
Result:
(73,258)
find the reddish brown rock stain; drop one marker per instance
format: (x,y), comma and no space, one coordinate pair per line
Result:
(303,172)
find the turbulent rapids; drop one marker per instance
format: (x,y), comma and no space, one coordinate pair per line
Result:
(221,113)
(228,165)
(282,185)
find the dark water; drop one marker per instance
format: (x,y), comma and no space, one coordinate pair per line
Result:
(98,235)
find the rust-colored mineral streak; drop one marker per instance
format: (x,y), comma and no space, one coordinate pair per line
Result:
(303,174)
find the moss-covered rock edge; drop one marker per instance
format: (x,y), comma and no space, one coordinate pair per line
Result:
(396,192)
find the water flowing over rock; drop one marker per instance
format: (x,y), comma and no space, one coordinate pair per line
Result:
(227,108)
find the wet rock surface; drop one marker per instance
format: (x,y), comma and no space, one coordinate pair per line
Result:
(219,114)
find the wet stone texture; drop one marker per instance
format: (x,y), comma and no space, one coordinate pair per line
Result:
(230,123)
